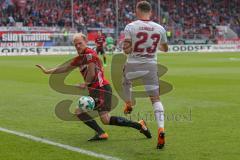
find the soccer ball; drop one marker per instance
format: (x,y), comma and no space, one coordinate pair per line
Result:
(86,103)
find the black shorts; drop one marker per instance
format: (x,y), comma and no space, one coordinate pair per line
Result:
(103,98)
(100,50)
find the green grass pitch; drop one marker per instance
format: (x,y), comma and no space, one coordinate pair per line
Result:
(205,105)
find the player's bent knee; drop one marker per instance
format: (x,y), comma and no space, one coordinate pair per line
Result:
(77,111)
(105,118)
(105,121)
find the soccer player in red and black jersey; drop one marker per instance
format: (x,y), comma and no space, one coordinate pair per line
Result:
(100,44)
(99,88)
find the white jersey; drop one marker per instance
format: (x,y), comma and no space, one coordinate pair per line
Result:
(146,37)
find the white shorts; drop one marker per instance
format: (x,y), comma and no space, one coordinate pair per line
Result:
(146,72)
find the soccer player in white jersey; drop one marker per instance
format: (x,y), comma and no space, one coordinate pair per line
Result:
(143,38)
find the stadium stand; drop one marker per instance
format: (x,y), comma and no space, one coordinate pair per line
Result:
(182,18)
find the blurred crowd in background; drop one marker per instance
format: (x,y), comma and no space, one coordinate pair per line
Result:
(181,18)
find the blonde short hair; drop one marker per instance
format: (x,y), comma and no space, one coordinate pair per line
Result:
(77,35)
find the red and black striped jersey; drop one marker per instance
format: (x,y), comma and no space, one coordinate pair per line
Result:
(100,40)
(82,61)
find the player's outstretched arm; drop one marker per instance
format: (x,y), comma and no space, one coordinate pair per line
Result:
(163,47)
(59,69)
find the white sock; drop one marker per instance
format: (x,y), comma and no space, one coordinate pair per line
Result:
(159,114)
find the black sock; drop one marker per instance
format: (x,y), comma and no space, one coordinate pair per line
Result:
(93,124)
(90,122)
(120,121)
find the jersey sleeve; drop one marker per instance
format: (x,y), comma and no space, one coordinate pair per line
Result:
(127,32)
(75,61)
(163,36)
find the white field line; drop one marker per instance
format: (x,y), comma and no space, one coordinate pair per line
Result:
(64,146)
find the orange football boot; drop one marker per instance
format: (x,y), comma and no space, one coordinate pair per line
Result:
(98,137)
(144,130)
(161,138)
